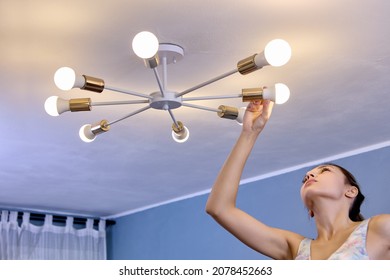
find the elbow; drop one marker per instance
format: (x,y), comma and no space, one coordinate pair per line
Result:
(218,205)
(214,214)
(211,209)
(215,210)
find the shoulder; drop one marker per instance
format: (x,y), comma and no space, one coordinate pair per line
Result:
(380,224)
(378,238)
(379,229)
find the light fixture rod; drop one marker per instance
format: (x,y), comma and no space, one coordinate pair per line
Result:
(127,92)
(173,117)
(165,72)
(160,85)
(130,115)
(212,97)
(208,82)
(201,107)
(118,102)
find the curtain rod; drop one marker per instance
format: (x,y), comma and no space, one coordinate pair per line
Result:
(39,217)
(62,219)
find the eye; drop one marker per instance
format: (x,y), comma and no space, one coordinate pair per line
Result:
(324,169)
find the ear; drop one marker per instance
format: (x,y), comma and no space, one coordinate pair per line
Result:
(352,192)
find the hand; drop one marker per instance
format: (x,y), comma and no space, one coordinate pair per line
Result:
(256,115)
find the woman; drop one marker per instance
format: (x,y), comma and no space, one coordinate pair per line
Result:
(329,192)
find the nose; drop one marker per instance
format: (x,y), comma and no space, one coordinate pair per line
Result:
(308,176)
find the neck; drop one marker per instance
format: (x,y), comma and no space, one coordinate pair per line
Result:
(331,220)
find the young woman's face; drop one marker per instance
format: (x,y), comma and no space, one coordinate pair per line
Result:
(324,181)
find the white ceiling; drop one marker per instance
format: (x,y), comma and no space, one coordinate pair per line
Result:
(338,77)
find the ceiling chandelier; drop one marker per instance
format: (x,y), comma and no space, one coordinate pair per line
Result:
(146,46)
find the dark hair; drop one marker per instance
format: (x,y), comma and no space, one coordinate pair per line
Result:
(354,211)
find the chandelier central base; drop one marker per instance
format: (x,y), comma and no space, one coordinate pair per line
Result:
(170,52)
(168,101)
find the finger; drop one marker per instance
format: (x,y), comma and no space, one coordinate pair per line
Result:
(254,105)
(267,107)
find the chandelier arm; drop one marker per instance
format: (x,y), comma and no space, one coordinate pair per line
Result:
(173,118)
(118,102)
(212,97)
(160,85)
(130,115)
(127,92)
(165,72)
(207,82)
(202,107)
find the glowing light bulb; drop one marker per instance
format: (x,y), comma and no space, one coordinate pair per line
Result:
(282,93)
(145,44)
(65,78)
(86,133)
(182,136)
(51,106)
(55,106)
(277,52)
(279,93)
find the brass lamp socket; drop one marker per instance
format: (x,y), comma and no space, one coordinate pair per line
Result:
(247,65)
(228,112)
(93,84)
(252,94)
(178,128)
(80,104)
(152,62)
(100,127)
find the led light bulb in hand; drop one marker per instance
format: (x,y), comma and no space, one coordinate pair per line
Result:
(279,93)
(282,93)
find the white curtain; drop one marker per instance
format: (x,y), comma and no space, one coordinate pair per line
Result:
(26,241)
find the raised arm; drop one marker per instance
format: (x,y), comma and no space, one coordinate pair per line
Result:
(221,204)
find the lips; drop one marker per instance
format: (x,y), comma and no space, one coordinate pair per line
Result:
(309,182)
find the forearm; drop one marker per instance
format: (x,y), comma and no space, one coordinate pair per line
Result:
(224,192)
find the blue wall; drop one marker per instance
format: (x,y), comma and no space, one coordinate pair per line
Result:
(182,230)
